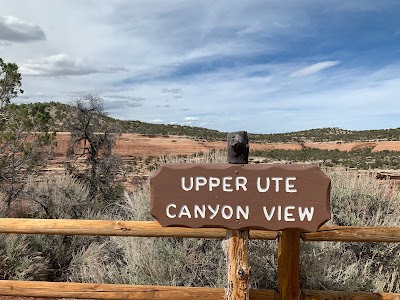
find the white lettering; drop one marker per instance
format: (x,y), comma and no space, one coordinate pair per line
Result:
(240,211)
(187,189)
(288,186)
(225,185)
(277,179)
(200,181)
(169,215)
(267,183)
(227,212)
(224,214)
(200,211)
(214,212)
(306,212)
(269,216)
(213,182)
(184,212)
(241,183)
(287,215)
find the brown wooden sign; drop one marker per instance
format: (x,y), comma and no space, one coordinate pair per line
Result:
(265,196)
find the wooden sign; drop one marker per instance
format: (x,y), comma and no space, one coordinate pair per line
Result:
(263,196)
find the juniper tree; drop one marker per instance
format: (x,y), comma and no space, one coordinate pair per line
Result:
(10,82)
(25,140)
(92,140)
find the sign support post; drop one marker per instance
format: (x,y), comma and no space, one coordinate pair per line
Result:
(239,197)
(237,267)
(289,264)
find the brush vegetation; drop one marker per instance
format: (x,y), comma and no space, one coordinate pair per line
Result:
(357,200)
(360,158)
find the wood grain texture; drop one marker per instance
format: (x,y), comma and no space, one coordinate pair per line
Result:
(154,229)
(238,269)
(116,228)
(289,264)
(118,291)
(331,295)
(354,234)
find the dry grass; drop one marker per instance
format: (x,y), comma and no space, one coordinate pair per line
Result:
(356,200)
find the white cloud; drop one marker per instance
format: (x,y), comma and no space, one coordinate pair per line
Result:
(156,121)
(191,119)
(281,104)
(249,30)
(125,97)
(208,51)
(4,44)
(120,104)
(315,68)
(13,29)
(171,91)
(62,64)
(37,95)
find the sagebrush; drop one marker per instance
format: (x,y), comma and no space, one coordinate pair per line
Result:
(357,199)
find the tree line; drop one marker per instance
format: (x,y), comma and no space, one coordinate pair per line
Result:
(359,158)
(62,111)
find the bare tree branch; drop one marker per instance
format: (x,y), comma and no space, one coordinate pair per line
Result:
(93,140)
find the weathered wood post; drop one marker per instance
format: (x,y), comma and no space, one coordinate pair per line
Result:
(237,267)
(289,264)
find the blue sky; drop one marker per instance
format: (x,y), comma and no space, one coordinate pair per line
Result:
(260,66)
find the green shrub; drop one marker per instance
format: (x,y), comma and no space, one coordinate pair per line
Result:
(58,197)
(20,260)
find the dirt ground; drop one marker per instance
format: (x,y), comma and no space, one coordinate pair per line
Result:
(129,145)
(135,148)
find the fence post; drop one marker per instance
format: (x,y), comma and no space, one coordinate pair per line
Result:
(289,264)
(237,267)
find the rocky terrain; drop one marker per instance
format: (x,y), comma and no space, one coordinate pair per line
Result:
(132,145)
(141,153)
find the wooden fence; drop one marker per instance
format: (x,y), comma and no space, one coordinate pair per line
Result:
(288,261)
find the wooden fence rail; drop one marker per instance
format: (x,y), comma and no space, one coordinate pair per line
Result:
(149,292)
(153,229)
(354,234)
(116,228)
(118,291)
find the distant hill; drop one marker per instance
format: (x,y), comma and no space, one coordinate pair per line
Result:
(61,112)
(331,135)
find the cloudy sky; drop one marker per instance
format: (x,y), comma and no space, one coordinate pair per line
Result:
(260,66)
